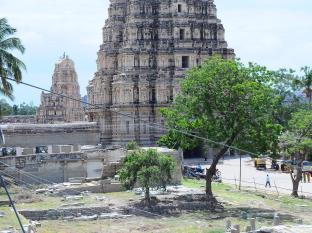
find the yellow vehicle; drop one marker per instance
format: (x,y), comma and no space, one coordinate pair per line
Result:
(260,163)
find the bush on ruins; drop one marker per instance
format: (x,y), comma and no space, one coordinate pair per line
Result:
(147,168)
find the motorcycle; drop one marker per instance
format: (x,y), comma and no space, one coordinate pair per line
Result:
(192,172)
(195,172)
(217,177)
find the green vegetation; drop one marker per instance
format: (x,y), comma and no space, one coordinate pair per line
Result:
(305,82)
(187,223)
(194,222)
(132,145)
(147,167)
(229,194)
(296,143)
(10,66)
(9,219)
(23,109)
(225,101)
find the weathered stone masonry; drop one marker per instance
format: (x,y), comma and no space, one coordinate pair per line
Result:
(55,108)
(147,47)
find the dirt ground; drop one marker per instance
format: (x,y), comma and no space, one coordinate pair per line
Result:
(180,211)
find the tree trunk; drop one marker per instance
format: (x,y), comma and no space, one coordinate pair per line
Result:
(295,188)
(147,196)
(209,176)
(213,167)
(295,181)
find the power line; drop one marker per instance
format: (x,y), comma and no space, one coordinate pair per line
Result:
(151,125)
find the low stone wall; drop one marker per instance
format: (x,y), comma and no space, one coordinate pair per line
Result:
(32,135)
(102,186)
(30,119)
(60,167)
(54,214)
(86,165)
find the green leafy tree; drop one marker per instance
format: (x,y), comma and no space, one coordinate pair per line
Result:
(296,143)
(283,83)
(132,145)
(227,102)
(305,83)
(26,109)
(148,168)
(10,65)
(5,108)
(15,109)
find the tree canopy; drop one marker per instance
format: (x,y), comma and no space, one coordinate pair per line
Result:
(10,65)
(226,102)
(147,168)
(296,143)
(23,109)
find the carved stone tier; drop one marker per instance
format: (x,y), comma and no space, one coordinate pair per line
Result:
(147,47)
(55,108)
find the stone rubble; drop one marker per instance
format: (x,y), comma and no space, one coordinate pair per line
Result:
(73,198)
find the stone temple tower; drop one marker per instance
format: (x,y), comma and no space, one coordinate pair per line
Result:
(147,47)
(57,109)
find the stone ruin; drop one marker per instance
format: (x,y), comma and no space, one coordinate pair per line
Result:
(55,108)
(80,166)
(147,48)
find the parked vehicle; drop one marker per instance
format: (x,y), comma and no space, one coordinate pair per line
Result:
(195,172)
(190,172)
(307,166)
(8,151)
(260,163)
(288,165)
(217,177)
(275,165)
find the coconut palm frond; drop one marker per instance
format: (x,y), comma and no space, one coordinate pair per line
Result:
(6,88)
(12,43)
(10,65)
(5,29)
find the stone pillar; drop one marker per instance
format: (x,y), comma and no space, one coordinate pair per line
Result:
(65,172)
(276,220)
(19,151)
(50,149)
(252,222)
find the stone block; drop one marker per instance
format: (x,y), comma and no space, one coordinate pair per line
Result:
(28,151)
(66,149)
(56,149)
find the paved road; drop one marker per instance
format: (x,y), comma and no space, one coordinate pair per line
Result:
(230,170)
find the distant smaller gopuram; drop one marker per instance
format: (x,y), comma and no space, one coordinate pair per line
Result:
(58,109)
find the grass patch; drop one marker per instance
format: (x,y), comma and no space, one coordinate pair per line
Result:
(9,219)
(245,198)
(195,222)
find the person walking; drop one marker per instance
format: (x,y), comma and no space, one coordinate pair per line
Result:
(268,181)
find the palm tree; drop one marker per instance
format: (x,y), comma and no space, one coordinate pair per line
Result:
(10,66)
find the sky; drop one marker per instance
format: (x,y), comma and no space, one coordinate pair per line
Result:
(274,33)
